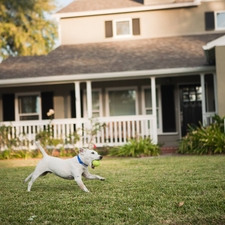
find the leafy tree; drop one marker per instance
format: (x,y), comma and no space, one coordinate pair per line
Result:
(25,28)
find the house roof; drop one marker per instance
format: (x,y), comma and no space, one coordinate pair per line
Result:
(91,5)
(98,7)
(111,57)
(209,49)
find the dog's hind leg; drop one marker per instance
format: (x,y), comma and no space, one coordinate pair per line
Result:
(33,178)
(28,178)
(37,173)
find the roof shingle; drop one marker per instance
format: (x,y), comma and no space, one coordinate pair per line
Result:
(92,5)
(129,55)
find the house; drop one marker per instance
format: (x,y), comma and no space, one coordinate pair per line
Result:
(142,67)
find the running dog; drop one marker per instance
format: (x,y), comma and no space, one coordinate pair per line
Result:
(68,169)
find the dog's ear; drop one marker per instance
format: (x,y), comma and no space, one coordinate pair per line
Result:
(81,150)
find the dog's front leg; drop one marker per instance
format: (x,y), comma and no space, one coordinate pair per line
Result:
(87,175)
(81,184)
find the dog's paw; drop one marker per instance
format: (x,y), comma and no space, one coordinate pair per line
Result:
(102,178)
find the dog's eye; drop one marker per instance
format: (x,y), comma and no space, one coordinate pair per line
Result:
(92,153)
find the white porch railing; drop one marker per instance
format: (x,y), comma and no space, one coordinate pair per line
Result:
(117,131)
(208,118)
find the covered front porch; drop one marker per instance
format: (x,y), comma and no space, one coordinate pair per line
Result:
(102,131)
(156,102)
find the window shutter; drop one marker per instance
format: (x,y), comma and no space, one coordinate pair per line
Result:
(8,107)
(108,29)
(136,26)
(209,21)
(46,104)
(73,105)
(168,108)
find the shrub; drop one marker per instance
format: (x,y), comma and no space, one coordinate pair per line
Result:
(204,139)
(7,141)
(137,147)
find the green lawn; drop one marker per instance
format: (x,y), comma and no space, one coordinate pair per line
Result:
(162,190)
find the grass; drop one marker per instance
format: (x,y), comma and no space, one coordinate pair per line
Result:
(161,190)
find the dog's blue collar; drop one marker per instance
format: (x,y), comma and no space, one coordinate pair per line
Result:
(80,161)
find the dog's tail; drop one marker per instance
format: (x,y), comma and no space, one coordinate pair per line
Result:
(28,178)
(41,149)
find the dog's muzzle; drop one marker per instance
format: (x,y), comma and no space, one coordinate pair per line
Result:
(100,158)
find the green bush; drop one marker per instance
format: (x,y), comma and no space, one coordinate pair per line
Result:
(204,139)
(25,154)
(136,148)
(6,138)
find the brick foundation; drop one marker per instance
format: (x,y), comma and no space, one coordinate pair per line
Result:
(168,150)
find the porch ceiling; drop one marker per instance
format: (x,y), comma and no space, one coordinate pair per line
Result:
(143,56)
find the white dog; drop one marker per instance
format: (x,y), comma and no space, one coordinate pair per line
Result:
(68,169)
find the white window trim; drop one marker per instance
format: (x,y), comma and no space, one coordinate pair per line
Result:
(100,103)
(121,89)
(215,19)
(29,114)
(159,130)
(122,36)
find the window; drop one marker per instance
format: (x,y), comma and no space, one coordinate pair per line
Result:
(28,106)
(215,20)
(122,102)
(122,28)
(96,103)
(147,106)
(220,20)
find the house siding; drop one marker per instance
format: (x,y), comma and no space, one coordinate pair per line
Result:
(153,24)
(220,69)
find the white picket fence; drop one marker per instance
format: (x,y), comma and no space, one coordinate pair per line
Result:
(116,132)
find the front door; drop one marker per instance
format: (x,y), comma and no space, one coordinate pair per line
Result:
(190,106)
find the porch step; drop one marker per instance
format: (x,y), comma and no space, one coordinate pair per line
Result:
(168,150)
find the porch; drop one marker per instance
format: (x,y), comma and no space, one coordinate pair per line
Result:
(115,131)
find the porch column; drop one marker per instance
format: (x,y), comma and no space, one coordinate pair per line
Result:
(215,92)
(77,99)
(89,99)
(153,92)
(78,110)
(202,76)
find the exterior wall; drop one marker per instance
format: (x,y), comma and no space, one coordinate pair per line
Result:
(220,70)
(153,24)
(168,140)
(62,104)
(152,2)
(61,95)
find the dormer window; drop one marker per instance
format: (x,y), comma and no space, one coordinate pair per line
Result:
(122,28)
